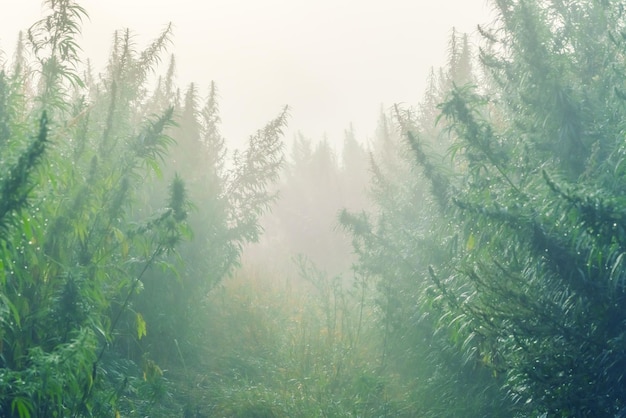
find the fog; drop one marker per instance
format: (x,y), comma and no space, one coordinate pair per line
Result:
(386,241)
(333,62)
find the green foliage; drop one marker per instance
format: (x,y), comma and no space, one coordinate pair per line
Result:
(53,41)
(440,370)
(546,262)
(510,265)
(255,169)
(17,184)
(82,245)
(230,198)
(489,277)
(292,348)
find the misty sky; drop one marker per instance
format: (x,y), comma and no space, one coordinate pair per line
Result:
(332,61)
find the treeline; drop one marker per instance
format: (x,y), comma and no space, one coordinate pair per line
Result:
(465,260)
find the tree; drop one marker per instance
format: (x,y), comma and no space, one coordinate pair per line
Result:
(83,246)
(229,203)
(529,213)
(394,245)
(540,200)
(79,251)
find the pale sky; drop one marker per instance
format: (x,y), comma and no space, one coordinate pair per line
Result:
(334,62)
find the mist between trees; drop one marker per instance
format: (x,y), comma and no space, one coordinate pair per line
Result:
(465,260)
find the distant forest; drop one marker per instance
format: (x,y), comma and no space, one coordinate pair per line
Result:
(466,259)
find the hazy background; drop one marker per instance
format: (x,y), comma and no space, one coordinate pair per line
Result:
(334,62)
